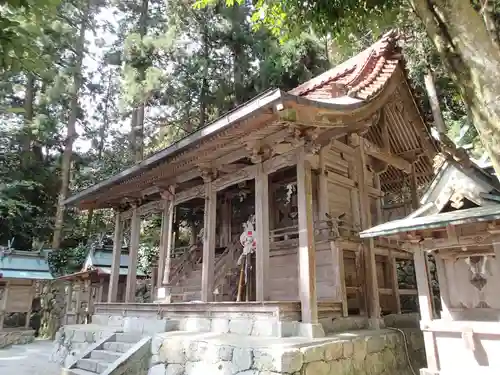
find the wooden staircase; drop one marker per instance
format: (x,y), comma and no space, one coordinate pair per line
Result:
(186,275)
(111,355)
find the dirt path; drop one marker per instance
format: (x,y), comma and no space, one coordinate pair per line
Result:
(29,359)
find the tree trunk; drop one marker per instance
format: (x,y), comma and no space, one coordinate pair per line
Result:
(71,130)
(470,52)
(29,96)
(138,112)
(204,81)
(238,54)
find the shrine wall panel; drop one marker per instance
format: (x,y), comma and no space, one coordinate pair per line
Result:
(339,199)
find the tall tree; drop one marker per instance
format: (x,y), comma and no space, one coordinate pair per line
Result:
(71,133)
(465,33)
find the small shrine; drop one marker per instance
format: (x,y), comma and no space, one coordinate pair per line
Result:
(90,285)
(456,232)
(19,273)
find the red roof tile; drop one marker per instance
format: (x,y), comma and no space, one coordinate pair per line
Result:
(362,76)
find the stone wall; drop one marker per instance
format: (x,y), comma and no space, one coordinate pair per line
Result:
(353,353)
(20,337)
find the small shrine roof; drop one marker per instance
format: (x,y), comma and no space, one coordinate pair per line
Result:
(30,265)
(101,260)
(409,224)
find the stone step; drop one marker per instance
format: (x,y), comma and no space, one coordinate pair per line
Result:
(120,347)
(127,337)
(79,371)
(92,365)
(105,355)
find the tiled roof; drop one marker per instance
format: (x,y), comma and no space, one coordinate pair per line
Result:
(362,76)
(101,259)
(24,265)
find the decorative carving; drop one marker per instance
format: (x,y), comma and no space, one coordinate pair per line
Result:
(230,179)
(479,273)
(188,194)
(207,173)
(281,161)
(168,194)
(258,152)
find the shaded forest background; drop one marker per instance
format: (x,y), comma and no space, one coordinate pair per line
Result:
(90,87)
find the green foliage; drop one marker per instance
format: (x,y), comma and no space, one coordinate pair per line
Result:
(67,260)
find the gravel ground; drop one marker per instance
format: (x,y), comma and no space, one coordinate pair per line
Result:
(29,359)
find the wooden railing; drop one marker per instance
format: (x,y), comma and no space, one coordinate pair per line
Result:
(185,264)
(323,230)
(224,264)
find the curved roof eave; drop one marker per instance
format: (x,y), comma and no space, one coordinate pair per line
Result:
(264,101)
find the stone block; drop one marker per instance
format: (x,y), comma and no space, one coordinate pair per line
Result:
(388,358)
(172,351)
(313,353)
(264,328)
(201,368)
(196,351)
(255,372)
(156,343)
(133,324)
(341,366)
(317,368)
(158,369)
(286,329)
(310,330)
(375,343)
(115,321)
(218,353)
(262,360)
(289,361)
(220,325)
(359,349)
(241,326)
(374,364)
(334,351)
(347,349)
(242,359)
(174,369)
(196,325)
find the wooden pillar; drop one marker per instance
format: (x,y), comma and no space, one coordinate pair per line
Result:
(307,246)
(225,230)
(378,202)
(69,300)
(415,202)
(444,291)
(323,201)
(425,306)
(207,271)
(3,305)
(371,285)
(78,310)
(28,313)
(100,290)
(135,228)
(90,300)
(393,270)
(165,255)
(115,262)
(262,232)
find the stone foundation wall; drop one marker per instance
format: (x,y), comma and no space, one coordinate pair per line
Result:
(71,340)
(20,337)
(353,353)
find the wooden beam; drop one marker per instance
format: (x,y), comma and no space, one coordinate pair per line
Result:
(394,281)
(227,180)
(69,300)
(415,202)
(377,152)
(307,246)
(115,261)
(262,232)
(207,272)
(135,228)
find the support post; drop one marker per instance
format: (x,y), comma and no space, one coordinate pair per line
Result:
(371,285)
(262,232)
(444,291)
(135,228)
(393,270)
(69,300)
(324,202)
(425,306)
(3,305)
(100,290)
(415,203)
(165,256)
(115,262)
(208,265)
(28,313)
(378,202)
(78,310)
(307,247)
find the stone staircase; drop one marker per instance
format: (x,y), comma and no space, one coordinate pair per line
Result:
(115,354)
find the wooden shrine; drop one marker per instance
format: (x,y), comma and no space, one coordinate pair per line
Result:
(459,225)
(308,169)
(90,285)
(19,273)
